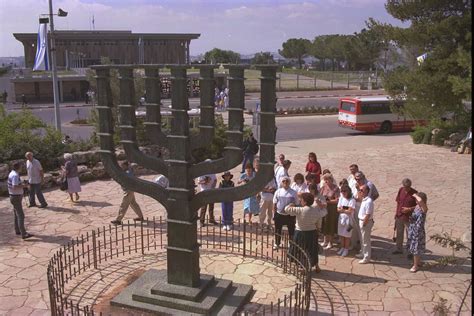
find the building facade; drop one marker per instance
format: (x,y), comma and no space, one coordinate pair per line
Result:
(79,49)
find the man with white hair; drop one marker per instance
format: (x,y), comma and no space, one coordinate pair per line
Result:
(366,223)
(35,178)
(283,196)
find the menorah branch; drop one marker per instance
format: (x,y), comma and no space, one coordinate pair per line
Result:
(254,186)
(132,183)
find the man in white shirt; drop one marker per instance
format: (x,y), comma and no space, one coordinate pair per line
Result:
(366,222)
(35,178)
(283,197)
(15,190)
(282,172)
(355,240)
(266,210)
(207,182)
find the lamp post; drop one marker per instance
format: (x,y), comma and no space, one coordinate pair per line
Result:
(57,115)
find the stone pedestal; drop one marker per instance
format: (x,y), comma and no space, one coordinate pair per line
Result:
(152,293)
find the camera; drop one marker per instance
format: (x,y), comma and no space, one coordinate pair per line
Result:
(26,190)
(345,207)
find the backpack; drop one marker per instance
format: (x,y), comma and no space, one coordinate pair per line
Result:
(254,147)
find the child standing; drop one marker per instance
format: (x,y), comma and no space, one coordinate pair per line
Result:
(251,206)
(227,207)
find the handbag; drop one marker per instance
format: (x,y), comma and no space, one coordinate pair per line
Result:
(63,184)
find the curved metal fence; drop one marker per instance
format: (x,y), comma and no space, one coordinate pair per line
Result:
(104,245)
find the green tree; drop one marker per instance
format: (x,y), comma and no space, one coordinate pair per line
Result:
(263,58)
(439,84)
(295,48)
(219,56)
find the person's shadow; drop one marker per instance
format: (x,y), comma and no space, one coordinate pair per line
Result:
(92,203)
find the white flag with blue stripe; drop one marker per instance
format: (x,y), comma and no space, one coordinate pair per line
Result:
(420,59)
(41,57)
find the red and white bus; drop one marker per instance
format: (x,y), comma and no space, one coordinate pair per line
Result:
(372,115)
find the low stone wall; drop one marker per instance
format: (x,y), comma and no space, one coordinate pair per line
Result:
(89,166)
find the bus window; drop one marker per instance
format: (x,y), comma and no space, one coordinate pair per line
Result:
(348,107)
(375,108)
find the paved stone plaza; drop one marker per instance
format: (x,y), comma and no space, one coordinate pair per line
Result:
(384,287)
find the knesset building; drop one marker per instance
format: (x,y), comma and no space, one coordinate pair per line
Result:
(76,50)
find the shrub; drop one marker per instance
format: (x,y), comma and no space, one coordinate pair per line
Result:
(418,134)
(217,145)
(22,131)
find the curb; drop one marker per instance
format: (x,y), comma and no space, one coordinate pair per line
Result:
(326,96)
(249,99)
(50,107)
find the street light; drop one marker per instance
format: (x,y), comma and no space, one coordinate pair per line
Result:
(61,13)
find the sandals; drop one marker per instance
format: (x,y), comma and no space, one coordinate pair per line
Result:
(414,269)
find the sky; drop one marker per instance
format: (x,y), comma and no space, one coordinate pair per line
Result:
(244,26)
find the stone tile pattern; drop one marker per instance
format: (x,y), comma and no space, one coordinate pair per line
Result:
(344,287)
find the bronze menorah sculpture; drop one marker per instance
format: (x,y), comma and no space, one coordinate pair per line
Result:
(179,198)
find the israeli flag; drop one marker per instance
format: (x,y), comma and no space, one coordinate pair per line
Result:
(41,57)
(420,59)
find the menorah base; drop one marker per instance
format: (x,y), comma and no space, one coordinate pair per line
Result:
(151,293)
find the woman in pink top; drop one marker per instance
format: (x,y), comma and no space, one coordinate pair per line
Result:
(313,166)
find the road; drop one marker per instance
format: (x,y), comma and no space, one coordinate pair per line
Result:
(293,128)
(289,128)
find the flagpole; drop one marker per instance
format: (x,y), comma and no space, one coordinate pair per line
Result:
(57,115)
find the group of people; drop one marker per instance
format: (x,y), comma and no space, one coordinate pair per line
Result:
(312,204)
(30,188)
(221,98)
(309,204)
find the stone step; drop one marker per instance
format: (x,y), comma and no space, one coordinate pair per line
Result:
(213,297)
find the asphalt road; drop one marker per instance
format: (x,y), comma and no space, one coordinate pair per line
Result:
(289,128)
(292,128)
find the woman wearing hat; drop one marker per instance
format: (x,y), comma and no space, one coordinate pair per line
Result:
(227,207)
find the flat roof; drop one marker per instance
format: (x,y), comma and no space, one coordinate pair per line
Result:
(369,98)
(109,35)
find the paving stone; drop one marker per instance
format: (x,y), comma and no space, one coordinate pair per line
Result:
(250,269)
(18,284)
(393,304)
(401,313)
(417,293)
(221,267)
(22,311)
(12,302)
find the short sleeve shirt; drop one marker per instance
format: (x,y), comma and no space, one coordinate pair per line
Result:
(282,198)
(351,203)
(33,169)
(366,207)
(14,179)
(280,172)
(205,186)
